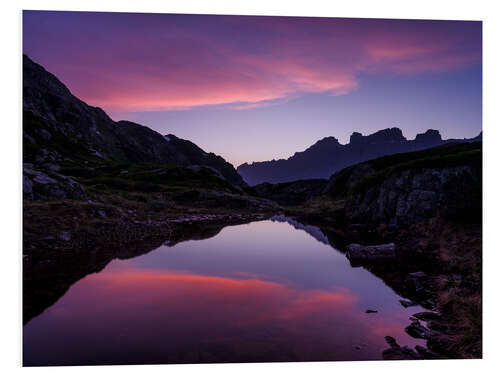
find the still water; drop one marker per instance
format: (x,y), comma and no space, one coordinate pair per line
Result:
(264,291)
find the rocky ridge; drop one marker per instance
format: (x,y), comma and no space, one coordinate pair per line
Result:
(328,156)
(60,130)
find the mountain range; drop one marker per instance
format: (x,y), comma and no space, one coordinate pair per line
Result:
(61,130)
(328,156)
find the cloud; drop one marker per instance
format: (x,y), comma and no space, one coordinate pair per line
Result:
(130,63)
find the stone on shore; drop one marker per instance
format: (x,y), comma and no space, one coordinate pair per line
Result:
(407,303)
(418,331)
(360,253)
(397,352)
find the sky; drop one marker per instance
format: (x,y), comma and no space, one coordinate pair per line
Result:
(253,88)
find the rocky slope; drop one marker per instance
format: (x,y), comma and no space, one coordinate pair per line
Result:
(406,188)
(328,156)
(61,130)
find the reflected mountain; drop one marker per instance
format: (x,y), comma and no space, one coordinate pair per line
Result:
(48,279)
(312,230)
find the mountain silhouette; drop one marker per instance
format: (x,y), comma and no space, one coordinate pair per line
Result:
(51,112)
(328,156)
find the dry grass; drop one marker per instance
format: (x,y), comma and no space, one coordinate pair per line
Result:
(459,291)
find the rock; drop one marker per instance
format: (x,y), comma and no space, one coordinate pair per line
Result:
(409,196)
(45,134)
(359,253)
(27,187)
(371,311)
(357,347)
(439,344)
(418,331)
(407,303)
(39,185)
(425,353)
(401,354)
(392,342)
(29,138)
(416,282)
(396,352)
(438,326)
(65,236)
(52,167)
(427,316)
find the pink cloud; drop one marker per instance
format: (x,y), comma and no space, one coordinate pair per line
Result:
(247,62)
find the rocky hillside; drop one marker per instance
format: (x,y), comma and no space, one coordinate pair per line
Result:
(406,188)
(60,131)
(328,155)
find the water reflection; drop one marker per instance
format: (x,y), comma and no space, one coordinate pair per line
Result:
(257,292)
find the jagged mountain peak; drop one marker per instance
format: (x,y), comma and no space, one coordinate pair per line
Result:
(430,135)
(326,142)
(327,155)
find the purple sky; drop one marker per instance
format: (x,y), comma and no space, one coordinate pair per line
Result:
(261,88)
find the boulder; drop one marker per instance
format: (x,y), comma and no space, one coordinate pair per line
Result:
(418,331)
(40,185)
(407,303)
(427,316)
(360,253)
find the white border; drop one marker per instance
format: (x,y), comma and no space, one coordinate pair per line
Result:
(11,224)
